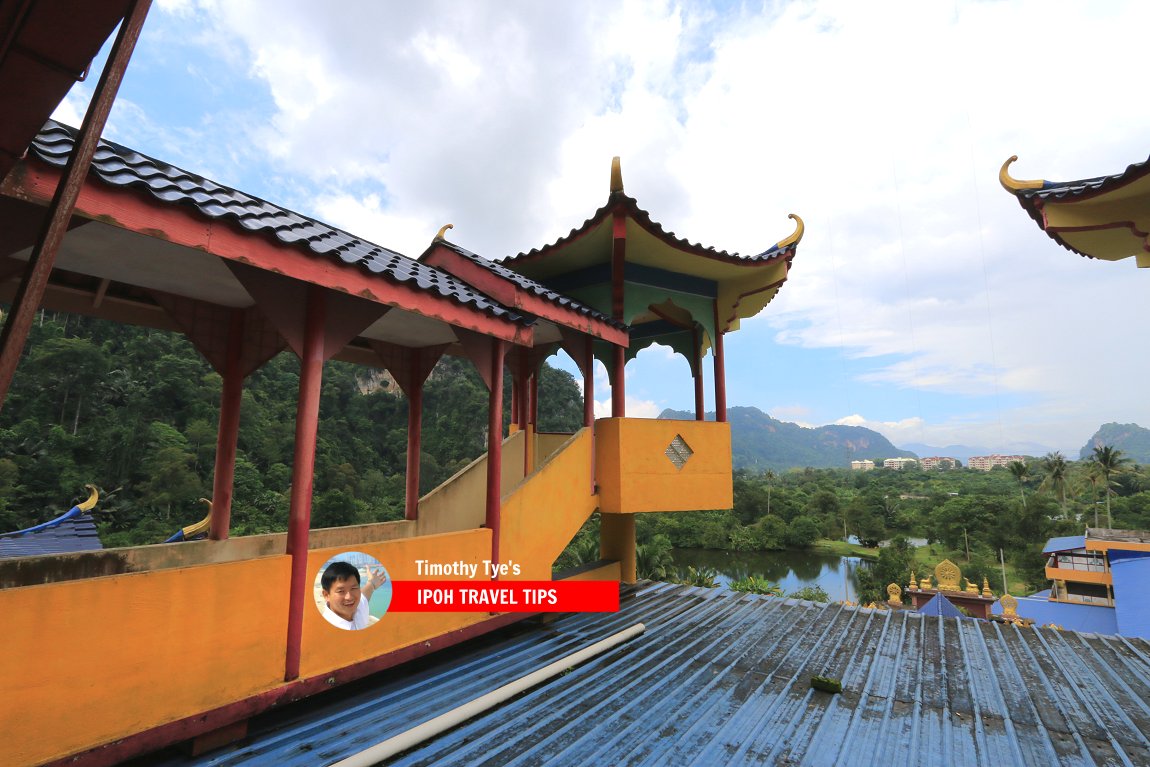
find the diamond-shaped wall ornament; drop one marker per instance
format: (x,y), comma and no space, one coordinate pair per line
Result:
(679,452)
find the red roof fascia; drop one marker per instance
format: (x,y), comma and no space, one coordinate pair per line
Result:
(511,295)
(143,214)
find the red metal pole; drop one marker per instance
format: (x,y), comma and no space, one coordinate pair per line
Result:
(414,440)
(35,281)
(618,389)
(228,433)
(495,445)
(303,467)
(720,374)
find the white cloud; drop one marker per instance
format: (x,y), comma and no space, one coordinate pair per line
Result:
(882,125)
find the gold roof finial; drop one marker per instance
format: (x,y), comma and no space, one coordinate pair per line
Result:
(1009,607)
(913,582)
(616,175)
(796,236)
(93,497)
(986,592)
(947,575)
(894,594)
(442,234)
(1013,185)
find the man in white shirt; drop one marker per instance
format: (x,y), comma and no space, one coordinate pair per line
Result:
(346,604)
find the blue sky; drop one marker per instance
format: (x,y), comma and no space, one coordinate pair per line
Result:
(923,302)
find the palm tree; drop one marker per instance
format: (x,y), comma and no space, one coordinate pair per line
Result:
(1110,461)
(1094,476)
(770,477)
(1057,470)
(1020,470)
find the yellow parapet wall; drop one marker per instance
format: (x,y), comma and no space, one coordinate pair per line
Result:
(641,466)
(541,517)
(103,658)
(326,648)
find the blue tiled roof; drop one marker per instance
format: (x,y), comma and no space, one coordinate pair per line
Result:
(721,678)
(1065,543)
(74,534)
(940,606)
(123,167)
(1095,619)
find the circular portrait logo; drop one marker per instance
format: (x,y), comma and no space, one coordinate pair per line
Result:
(352,590)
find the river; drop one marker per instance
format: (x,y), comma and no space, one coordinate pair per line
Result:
(792,570)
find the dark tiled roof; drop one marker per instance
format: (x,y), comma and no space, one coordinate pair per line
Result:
(74,534)
(721,678)
(531,286)
(1061,190)
(631,205)
(119,166)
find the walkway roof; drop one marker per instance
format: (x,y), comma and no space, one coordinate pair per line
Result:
(723,678)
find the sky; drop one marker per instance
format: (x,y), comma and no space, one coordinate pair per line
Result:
(923,302)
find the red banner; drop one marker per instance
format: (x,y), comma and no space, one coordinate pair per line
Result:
(504,596)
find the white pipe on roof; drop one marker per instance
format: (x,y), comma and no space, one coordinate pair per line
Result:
(432,727)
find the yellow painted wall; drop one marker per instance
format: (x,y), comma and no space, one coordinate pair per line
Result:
(547,443)
(608,572)
(460,503)
(635,474)
(116,655)
(1093,544)
(326,648)
(541,517)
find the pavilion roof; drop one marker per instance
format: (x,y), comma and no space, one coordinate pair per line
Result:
(742,285)
(1106,217)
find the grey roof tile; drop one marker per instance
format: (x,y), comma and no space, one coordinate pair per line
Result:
(120,166)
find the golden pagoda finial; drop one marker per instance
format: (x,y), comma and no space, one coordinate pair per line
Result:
(947,575)
(1013,185)
(616,175)
(894,592)
(796,236)
(442,234)
(912,583)
(986,592)
(93,497)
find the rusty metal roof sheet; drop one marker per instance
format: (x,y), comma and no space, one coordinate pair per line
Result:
(724,678)
(123,167)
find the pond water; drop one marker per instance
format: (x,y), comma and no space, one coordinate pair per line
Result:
(792,570)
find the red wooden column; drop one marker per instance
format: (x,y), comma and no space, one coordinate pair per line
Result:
(589,382)
(303,467)
(618,265)
(414,445)
(720,374)
(32,286)
(697,374)
(228,433)
(495,444)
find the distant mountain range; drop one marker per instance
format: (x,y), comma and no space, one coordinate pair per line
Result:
(761,442)
(1133,440)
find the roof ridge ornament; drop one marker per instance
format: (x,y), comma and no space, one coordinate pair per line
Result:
(442,234)
(93,497)
(616,175)
(1014,185)
(796,236)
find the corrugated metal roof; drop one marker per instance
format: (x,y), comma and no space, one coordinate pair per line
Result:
(1065,543)
(73,534)
(123,167)
(724,678)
